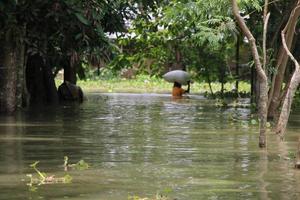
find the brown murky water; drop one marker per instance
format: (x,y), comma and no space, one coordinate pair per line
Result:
(143,144)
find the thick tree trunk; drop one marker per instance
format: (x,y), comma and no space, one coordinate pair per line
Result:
(50,87)
(22,93)
(8,72)
(263,80)
(69,72)
(281,63)
(40,82)
(34,80)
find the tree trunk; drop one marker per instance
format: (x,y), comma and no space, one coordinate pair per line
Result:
(253,85)
(22,93)
(178,59)
(257,89)
(34,79)
(281,62)
(8,72)
(297,161)
(263,80)
(209,82)
(286,107)
(50,87)
(69,72)
(295,80)
(222,79)
(40,82)
(237,62)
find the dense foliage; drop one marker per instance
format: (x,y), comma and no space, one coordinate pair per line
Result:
(180,35)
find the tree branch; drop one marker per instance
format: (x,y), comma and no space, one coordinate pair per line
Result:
(266,20)
(294,82)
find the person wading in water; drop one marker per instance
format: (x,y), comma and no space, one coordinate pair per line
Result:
(177,91)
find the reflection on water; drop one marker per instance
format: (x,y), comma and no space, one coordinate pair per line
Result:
(144,144)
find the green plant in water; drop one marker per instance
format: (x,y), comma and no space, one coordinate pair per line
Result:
(80,165)
(291,155)
(157,197)
(43,178)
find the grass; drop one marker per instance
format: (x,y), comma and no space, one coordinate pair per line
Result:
(147,84)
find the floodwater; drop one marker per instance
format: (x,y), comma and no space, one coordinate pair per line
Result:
(143,145)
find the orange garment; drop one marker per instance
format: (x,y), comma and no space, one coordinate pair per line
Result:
(177,92)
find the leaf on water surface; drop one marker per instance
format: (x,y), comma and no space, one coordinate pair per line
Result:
(82,165)
(68,178)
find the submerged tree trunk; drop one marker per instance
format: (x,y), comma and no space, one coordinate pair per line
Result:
(295,80)
(263,80)
(209,82)
(297,161)
(281,63)
(286,107)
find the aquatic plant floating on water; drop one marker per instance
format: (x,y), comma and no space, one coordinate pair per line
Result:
(157,197)
(42,178)
(80,165)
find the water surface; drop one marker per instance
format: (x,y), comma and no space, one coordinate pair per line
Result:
(143,144)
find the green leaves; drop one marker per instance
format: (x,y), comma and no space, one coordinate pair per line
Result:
(81,165)
(256,4)
(82,19)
